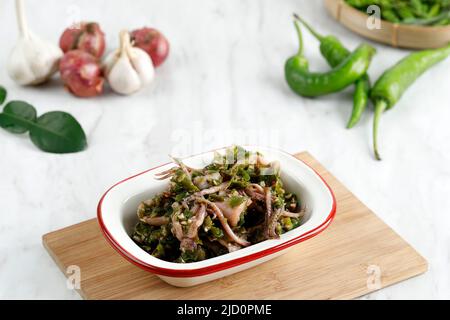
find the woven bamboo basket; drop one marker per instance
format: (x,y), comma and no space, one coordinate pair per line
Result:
(393,34)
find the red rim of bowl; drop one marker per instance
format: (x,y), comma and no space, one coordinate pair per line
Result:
(185,273)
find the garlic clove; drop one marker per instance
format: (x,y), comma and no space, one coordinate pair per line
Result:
(109,61)
(33,60)
(42,58)
(128,69)
(144,67)
(19,71)
(123,78)
(45,61)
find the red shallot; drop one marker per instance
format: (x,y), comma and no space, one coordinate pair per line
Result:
(86,36)
(81,73)
(153,42)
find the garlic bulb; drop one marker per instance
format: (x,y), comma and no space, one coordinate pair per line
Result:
(33,60)
(128,69)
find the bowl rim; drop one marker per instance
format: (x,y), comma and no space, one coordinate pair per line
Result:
(185,273)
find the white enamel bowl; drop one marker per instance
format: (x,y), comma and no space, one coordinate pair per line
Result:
(117,217)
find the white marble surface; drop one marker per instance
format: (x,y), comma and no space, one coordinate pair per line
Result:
(222,84)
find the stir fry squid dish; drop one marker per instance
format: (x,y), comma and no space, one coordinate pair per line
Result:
(234,202)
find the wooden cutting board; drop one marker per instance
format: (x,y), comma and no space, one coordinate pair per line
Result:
(357,254)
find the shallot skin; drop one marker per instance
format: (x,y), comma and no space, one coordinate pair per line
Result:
(86,36)
(153,42)
(81,73)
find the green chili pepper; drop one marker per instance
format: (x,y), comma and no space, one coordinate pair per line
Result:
(434,10)
(404,11)
(159,251)
(418,7)
(335,52)
(442,22)
(393,82)
(436,20)
(184,181)
(408,11)
(389,15)
(287,223)
(309,84)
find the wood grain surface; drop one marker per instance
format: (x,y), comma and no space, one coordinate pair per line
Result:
(357,254)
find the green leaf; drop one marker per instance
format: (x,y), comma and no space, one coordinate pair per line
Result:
(17,116)
(58,132)
(3,94)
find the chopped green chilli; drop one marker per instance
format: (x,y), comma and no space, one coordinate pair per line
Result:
(234,202)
